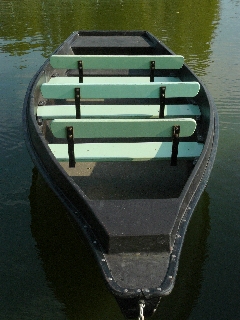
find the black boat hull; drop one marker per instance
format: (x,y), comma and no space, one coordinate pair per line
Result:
(145,270)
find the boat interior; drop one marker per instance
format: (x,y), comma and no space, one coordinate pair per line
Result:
(113,178)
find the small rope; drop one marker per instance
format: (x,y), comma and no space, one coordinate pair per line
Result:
(141,307)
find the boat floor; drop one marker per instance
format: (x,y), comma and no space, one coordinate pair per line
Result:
(130,180)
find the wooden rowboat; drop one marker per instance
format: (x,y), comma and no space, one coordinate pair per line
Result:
(126,136)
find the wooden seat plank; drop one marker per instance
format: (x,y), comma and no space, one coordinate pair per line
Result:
(122,128)
(120,121)
(117,61)
(112,80)
(109,90)
(117,111)
(140,151)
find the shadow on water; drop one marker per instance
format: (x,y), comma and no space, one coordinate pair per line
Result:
(72,274)
(179,304)
(69,267)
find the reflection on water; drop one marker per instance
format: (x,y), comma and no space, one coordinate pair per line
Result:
(70,269)
(33,24)
(226,80)
(179,304)
(72,273)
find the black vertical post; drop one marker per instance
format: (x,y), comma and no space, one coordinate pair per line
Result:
(77,103)
(80,70)
(175,142)
(152,69)
(162,101)
(70,140)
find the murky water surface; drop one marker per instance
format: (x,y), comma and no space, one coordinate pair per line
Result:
(46,273)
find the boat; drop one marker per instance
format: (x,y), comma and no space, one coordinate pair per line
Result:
(126,135)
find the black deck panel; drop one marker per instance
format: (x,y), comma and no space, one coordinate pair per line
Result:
(136,225)
(129,269)
(88,43)
(112,41)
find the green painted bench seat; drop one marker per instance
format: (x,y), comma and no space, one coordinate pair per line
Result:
(112,80)
(51,112)
(140,151)
(117,61)
(149,90)
(122,128)
(120,121)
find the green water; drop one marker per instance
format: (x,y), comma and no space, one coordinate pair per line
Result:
(45,271)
